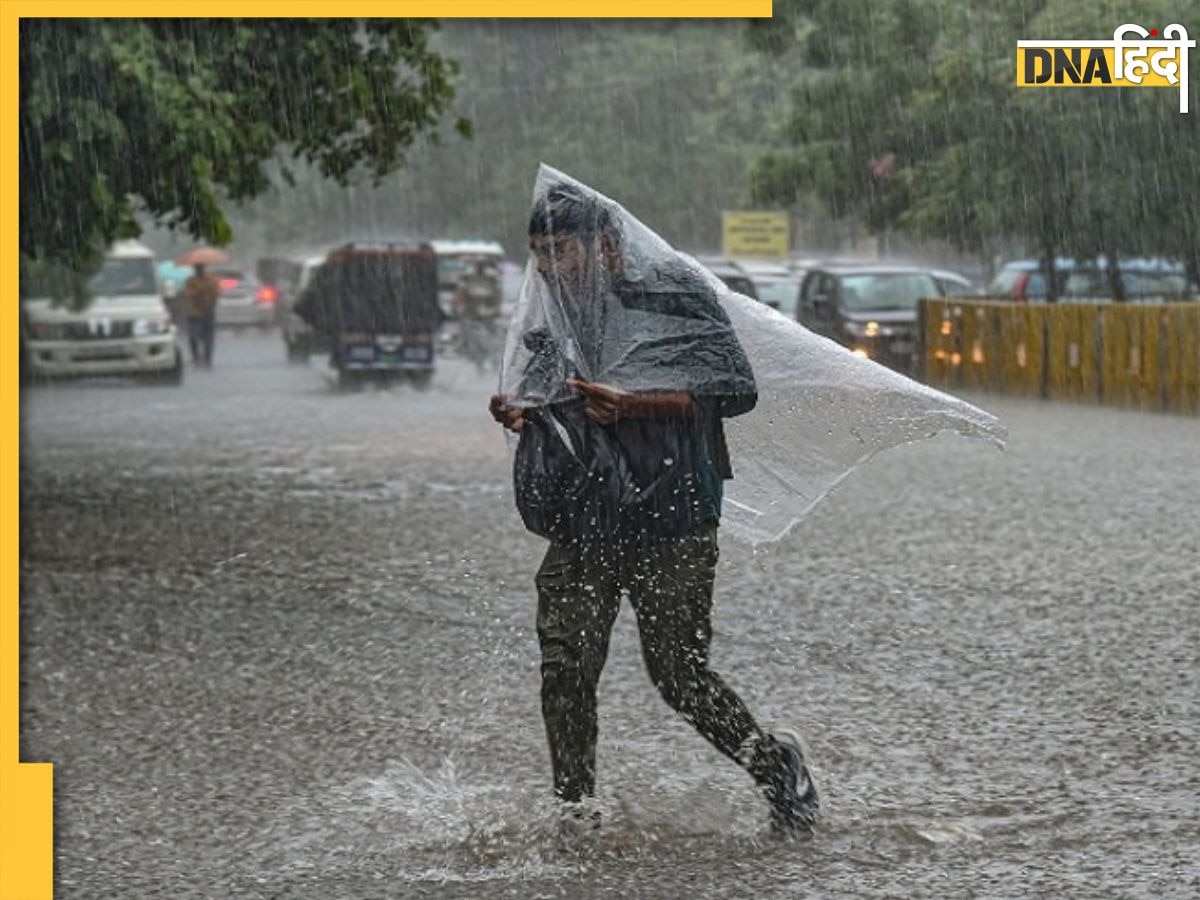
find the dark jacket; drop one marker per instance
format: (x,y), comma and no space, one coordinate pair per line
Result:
(200,295)
(638,480)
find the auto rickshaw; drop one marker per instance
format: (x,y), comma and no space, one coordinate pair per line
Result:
(377,303)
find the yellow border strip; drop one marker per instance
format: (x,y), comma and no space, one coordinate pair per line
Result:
(433,9)
(26,789)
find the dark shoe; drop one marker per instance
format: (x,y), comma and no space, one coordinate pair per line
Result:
(789,788)
(580,817)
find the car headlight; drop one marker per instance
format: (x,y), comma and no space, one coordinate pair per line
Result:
(856,329)
(869,329)
(148,327)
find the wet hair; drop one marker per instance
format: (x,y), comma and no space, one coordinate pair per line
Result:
(566,210)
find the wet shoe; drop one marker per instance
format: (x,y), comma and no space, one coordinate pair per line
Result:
(579,819)
(790,789)
(577,823)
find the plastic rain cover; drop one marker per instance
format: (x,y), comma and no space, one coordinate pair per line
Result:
(612,303)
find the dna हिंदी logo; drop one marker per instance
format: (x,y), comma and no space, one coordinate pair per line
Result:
(1134,57)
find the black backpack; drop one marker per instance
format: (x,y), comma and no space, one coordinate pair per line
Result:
(570,476)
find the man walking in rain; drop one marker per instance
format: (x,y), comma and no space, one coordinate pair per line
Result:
(200,295)
(621,367)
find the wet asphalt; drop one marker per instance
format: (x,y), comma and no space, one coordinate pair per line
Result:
(278,642)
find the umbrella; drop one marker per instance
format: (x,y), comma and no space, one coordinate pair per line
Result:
(202,256)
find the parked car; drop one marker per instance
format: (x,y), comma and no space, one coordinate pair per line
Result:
(954,285)
(732,274)
(799,265)
(299,338)
(738,281)
(872,310)
(780,292)
(757,269)
(1146,280)
(244,302)
(1141,285)
(276,271)
(1151,287)
(125,329)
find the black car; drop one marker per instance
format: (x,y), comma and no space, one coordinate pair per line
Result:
(872,310)
(734,276)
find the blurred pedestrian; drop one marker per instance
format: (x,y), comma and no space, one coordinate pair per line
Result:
(625,480)
(200,295)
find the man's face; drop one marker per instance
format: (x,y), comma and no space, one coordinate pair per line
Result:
(561,257)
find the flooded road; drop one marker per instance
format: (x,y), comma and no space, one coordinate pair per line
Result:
(278,642)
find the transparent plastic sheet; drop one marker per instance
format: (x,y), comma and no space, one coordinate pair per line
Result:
(620,307)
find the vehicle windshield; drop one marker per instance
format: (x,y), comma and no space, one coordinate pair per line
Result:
(886,291)
(954,287)
(123,278)
(783,295)
(449,268)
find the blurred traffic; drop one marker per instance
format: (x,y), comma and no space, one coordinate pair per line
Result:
(468,290)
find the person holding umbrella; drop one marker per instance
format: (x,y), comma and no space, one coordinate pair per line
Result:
(200,295)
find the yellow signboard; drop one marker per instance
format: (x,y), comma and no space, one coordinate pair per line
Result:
(755,234)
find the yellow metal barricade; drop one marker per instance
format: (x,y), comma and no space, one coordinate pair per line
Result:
(1022,348)
(1180,360)
(1071,370)
(1141,356)
(941,342)
(977,343)
(1129,343)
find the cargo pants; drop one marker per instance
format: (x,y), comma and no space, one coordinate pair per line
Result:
(670,587)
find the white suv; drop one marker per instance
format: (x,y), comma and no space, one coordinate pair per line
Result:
(124,330)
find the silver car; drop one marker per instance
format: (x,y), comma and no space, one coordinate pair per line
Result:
(244,302)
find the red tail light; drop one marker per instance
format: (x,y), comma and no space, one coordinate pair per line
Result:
(1018,288)
(228,284)
(267,295)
